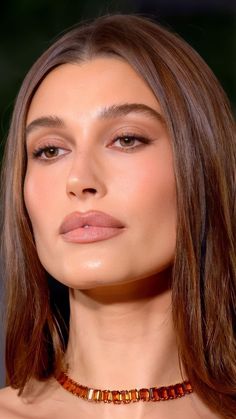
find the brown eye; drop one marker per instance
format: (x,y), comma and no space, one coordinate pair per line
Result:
(50,152)
(130,142)
(126,141)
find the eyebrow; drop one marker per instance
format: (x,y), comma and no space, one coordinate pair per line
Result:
(50,121)
(113,111)
(116,111)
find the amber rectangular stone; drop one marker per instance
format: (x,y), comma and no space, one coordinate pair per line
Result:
(125,396)
(144,394)
(134,395)
(116,397)
(84,392)
(179,390)
(73,388)
(77,391)
(187,387)
(106,396)
(154,395)
(163,393)
(97,395)
(67,385)
(171,392)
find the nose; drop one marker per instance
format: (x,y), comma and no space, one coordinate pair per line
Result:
(85,178)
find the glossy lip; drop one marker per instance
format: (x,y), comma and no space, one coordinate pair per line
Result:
(89,227)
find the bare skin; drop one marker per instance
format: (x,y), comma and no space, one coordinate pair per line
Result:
(121,330)
(51,401)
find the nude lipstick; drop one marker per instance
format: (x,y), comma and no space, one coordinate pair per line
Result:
(89,227)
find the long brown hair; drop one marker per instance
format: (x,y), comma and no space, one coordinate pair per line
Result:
(201,128)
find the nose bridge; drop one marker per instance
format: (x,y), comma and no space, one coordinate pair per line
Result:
(86,173)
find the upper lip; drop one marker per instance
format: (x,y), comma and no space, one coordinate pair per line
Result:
(91,218)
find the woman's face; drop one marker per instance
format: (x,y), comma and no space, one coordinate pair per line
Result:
(97,143)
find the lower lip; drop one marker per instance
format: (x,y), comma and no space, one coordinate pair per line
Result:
(91,234)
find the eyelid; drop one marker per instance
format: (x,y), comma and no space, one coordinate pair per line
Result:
(53,139)
(143,139)
(37,152)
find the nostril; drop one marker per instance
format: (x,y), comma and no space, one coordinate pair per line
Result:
(89,190)
(72,193)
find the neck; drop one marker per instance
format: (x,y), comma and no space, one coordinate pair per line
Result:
(122,337)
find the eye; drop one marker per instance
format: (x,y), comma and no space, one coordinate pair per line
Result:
(130,141)
(48,152)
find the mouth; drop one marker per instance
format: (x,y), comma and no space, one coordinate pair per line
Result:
(90,227)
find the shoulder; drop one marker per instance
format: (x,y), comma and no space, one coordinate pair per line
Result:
(39,400)
(9,403)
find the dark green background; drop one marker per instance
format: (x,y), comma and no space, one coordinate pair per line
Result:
(28,27)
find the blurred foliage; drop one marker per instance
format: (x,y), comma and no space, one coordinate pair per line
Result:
(28,27)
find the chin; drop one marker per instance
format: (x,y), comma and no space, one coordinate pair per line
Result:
(82,279)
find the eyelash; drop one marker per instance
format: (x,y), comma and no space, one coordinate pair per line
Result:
(38,152)
(131,136)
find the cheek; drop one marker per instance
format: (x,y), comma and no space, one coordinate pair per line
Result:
(150,188)
(39,197)
(150,199)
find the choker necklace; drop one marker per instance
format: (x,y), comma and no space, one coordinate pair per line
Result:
(124,396)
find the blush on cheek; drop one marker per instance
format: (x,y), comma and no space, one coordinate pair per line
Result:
(35,199)
(154,183)
(38,191)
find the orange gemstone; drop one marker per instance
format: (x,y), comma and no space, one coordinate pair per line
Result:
(179,390)
(125,396)
(116,397)
(97,395)
(163,393)
(77,391)
(154,395)
(106,396)
(73,388)
(134,395)
(171,392)
(66,385)
(144,394)
(187,387)
(84,392)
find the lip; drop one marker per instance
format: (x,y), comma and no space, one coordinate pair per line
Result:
(88,227)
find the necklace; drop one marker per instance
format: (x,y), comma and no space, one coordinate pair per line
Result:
(124,396)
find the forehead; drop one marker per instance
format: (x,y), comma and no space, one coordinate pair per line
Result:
(84,88)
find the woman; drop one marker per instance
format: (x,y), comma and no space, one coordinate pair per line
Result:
(119,231)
